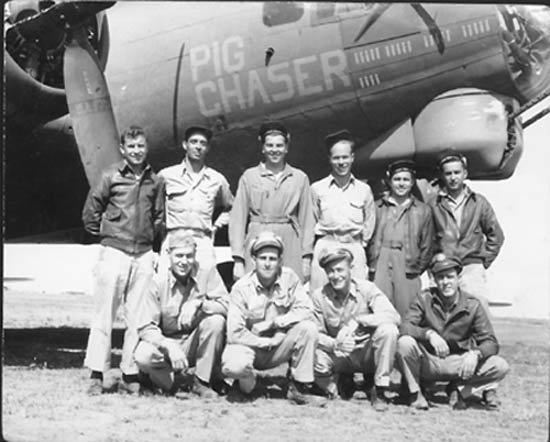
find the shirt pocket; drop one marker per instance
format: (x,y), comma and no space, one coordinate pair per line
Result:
(356,211)
(256,197)
(256,310)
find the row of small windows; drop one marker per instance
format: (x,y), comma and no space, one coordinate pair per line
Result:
(279,13)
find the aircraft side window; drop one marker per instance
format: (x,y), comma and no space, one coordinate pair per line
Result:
(279,13)
(325,10)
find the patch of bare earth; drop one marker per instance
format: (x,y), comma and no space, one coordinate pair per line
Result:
(43,394)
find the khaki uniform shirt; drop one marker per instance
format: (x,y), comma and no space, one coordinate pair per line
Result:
(160,311)
(343,211)
(191,200)
(364,303)
(286,302)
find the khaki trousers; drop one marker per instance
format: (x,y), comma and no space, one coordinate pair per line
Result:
(376,356)
(203,348)
(119,278)
(297,348)
(417,364)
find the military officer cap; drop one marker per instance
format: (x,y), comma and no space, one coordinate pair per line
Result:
(333,255)
(332,139)
(399,166)
(266,239)
(198,129)
(451,154)
(440,262)
(271,128)
(180,238)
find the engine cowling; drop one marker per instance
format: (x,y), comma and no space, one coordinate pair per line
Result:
(477,124)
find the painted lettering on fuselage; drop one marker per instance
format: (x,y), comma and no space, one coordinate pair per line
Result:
(222,83)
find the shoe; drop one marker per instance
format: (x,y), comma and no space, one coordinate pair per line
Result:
(456,401)
(129,388)
(95,388)
(419,402)
(202,389)
(491,399)
(378,399)
(147,388)
(346,386)
(300,394)
(236,395)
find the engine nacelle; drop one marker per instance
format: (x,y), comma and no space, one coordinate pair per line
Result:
(475,123)
(472,121)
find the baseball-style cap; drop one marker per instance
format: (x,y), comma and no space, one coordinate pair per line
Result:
(198,129)
(333,138)
(333,255)
(450,154)
(399,166)
(273,127)
(266,239)
(440,262)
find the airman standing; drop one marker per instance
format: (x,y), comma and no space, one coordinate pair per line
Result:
(344,209)
(273,196)
(193,191)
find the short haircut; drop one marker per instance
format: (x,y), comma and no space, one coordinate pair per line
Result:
(131,132)
(350,142)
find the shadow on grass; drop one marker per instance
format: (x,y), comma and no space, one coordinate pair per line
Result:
(52,347)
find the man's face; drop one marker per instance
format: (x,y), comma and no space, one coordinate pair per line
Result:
(134,150)
(401,183)
(339,275)
(182,260)
(454,174)
(341,158)
(196,147)
(447,282)
(274,149)
(268,263)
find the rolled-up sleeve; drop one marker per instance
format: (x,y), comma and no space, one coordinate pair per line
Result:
(369,215)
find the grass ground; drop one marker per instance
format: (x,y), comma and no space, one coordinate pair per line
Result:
(43,394)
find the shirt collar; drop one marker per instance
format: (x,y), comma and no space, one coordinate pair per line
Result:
(332,181)
(173,281)
(258,285)
(124,168)
(353,291)
(185,166)
(264,171)
(467,192)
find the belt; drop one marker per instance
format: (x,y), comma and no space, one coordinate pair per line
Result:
(197,233)
(271,219)
(343,237)
(393,245)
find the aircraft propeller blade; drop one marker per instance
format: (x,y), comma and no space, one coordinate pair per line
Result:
(90,107)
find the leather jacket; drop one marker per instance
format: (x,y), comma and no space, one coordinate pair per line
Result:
(418,243)
(480,236)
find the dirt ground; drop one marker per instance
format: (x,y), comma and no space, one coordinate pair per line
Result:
(43,394)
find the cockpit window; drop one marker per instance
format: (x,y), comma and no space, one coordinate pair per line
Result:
(279,13)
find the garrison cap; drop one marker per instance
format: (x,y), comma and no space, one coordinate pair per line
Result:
(198,129)
(266,239)
(399,166)
(332,139)
(450,154)
(333,255)
(273,127)
(180,238)
(441,262)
